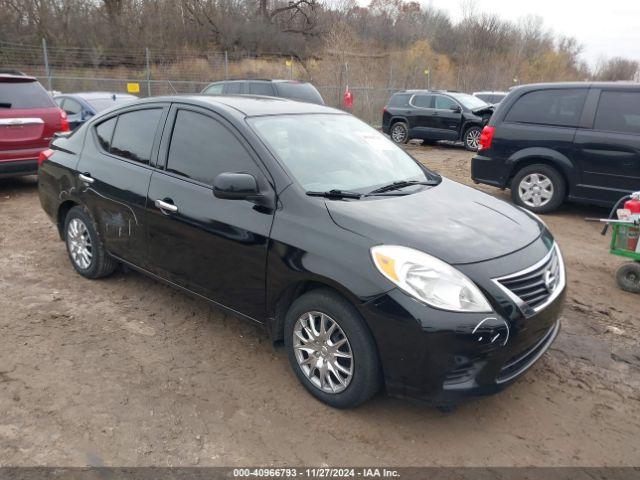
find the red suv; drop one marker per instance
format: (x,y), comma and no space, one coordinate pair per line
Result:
(28,119)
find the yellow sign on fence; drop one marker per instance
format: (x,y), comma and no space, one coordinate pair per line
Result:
(133,87)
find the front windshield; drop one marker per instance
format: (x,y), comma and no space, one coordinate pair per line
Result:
(469,101)
(334,151)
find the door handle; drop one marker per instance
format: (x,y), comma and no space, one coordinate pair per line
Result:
(86,178)
(165,206)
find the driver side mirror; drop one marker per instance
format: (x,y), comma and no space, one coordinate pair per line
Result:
(456,109)
(240,186)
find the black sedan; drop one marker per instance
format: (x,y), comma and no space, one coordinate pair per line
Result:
(374,270)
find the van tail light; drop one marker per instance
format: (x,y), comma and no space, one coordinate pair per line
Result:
(64,123)
(44,156)
(486,138)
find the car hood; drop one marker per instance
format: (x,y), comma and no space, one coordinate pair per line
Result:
(450,221)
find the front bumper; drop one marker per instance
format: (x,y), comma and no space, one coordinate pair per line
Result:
(443,358)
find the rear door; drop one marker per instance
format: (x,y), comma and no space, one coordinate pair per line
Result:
(214,247)
(28,118)
(447,118)
(422,121)
(609,153)
(114,173)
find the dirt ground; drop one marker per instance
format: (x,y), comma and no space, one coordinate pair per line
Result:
(128,372)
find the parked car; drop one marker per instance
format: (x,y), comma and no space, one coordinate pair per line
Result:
(435,115)
(82,106)
(372,268)
(492,98)
(563,141)
(291,89)
(28,120)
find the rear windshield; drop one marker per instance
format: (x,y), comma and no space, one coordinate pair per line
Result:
(303,92)
(100,104)
(24,95)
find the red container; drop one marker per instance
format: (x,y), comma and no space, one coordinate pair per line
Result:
(633,206)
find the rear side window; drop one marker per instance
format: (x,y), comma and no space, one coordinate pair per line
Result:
(134,134)
(104,132)
(71,107)
(618,112)
(561,107)
(261,88)
(214,89)
(302,92)
(423,101)
(400,100)
(24,95)
(201,148)
(232,88)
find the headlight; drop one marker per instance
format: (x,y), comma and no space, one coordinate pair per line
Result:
(429,279)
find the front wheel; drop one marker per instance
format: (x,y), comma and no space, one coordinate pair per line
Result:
(331,350)
(472,138)
(539,188)
(628,277)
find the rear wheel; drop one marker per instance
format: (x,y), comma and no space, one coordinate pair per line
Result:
(331,350)
(539,188)
(86,250)
(628,277)
(399,133)
(471,138)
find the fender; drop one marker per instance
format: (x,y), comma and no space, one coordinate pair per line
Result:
(547,155)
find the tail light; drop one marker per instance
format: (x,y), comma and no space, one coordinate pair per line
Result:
(486,137)
(384,109)
(44,156)
(64,123)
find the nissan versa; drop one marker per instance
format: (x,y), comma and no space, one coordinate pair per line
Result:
(375,271)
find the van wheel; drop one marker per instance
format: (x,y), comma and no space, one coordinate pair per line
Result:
(628,277)
(86,251)
(538,188)
(399,133)
(331,350)
(471,138)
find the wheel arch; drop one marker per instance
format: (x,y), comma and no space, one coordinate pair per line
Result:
(551,158)
(63,210)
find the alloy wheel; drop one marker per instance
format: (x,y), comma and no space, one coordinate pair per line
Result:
(79,243)
(398,133)
(536,190)
(323,352)
(473,139)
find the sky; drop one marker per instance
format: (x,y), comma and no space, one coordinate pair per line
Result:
(605,28)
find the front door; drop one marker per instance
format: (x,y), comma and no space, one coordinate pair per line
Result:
(448,118)
(609,153)
(214,247)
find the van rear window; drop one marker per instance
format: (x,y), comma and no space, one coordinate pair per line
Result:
(24,95)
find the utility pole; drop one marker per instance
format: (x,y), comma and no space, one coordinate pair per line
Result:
(47,71)
(146,53)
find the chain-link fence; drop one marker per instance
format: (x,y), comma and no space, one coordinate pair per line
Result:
(71,69)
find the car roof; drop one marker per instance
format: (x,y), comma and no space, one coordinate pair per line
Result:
(542,86)
(248,105)
(274,80)
(489,92)
(95,95)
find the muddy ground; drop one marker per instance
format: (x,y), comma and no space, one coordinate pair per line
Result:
(126,371)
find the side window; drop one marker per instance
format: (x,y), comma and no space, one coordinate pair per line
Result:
(104,132)
(400,100)
(618,112)
(233,88)
(423,101)
(201,148)
(445,103)
(71,107)
(561,107)
(261,88)
(214,89)
(134,134)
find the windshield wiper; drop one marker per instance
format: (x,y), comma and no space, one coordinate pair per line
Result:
(336,194)
(401,184)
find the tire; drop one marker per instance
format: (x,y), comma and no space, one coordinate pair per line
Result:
(364,366)
(548,195)
(84,246)
(399,133)
(471,138)
(628,277)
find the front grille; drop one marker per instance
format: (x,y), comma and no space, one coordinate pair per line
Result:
(517,364)
(539,284)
